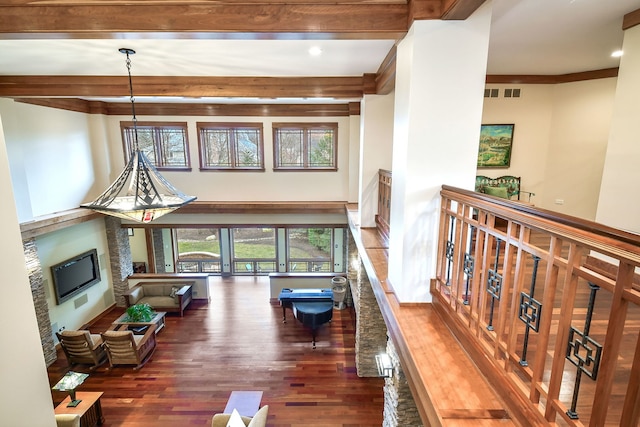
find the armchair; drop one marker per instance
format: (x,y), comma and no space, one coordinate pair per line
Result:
(258,420)
(125,348)
(82,347)
(68,420)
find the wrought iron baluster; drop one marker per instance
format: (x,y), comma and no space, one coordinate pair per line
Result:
(494,284)
(530,311)
(591,348)
(469,262)
(449,253)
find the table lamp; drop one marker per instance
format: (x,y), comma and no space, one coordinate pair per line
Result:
(69,383)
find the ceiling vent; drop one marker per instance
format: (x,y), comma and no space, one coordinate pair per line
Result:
(491,93)
(512,93)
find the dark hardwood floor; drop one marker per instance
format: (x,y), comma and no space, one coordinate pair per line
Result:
(237,342)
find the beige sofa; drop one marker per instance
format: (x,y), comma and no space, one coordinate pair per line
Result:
(162,296)
(258,420)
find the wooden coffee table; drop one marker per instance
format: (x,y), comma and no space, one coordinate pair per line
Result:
(121,325)
(89,408)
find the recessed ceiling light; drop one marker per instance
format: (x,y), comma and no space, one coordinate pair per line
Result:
(315,51)
(617,53)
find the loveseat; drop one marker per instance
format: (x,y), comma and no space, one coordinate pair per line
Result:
(172,296)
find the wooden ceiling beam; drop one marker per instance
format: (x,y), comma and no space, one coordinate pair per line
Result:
(186,19)
(197,109)
(192,86)
(460,9)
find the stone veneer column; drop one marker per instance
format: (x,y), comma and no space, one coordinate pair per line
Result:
(119,257)
(399,406)
(158,250)
(34,270)
(371,331)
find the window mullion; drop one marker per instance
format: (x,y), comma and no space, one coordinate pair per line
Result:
(232,147)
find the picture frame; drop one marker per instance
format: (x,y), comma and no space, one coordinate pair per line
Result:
(139,267)
(496,144)
(130,231)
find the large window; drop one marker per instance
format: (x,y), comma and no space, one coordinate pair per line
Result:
(309,249)
(306,146)
(164,144)
(198,250)
(231,146)
(254,250)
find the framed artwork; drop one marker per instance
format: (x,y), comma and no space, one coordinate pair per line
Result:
(139,267)
(130,231)
(495,146)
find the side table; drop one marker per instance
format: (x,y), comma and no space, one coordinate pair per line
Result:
(89,409)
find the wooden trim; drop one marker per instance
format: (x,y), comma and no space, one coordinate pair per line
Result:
(630,239)
(199,207)
(386,75)
(60,220)
(552,79)
(631,19)
(460,9)
(57,221)
(208,19)
(354,108)
(190,109)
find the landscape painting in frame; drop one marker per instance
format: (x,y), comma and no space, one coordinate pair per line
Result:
(496,142)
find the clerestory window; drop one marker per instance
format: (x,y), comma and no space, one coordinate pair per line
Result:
(231,146)
(164,144)
(305,146)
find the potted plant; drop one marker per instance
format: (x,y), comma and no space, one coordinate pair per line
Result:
(140,313)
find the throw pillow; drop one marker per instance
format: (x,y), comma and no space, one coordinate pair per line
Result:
(173,291)
(497,192)
(260,418)
(235,420)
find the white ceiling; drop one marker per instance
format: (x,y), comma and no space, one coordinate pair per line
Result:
(527,37)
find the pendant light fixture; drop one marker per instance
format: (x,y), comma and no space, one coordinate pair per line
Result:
(140,193)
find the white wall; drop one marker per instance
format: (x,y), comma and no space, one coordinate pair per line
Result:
(580,125)
(251,186)
(531,114)
(559,140)
(440,79)
(25,398)
(619,205)
(376,152)
(50,157)
(60,245)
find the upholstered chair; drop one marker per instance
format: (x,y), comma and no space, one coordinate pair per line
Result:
(125,348)
(67,420)
(82,347)
(258,420)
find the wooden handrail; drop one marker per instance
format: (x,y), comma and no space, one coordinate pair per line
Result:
(519,286)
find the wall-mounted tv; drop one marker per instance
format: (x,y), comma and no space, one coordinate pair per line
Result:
(72,276)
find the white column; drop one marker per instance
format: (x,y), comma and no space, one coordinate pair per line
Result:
(376,149)
(618,204)
(440,78)
(25,397)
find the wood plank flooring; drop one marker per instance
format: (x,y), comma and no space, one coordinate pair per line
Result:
(237,342)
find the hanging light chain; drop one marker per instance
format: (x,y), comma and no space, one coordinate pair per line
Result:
(132,98)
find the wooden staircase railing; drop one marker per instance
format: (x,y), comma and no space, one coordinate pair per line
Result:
(545,304)
(384,202)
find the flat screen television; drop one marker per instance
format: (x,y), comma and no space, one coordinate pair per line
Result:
(72,276)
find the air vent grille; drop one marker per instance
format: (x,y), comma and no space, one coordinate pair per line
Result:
(508,93)
(491,93)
